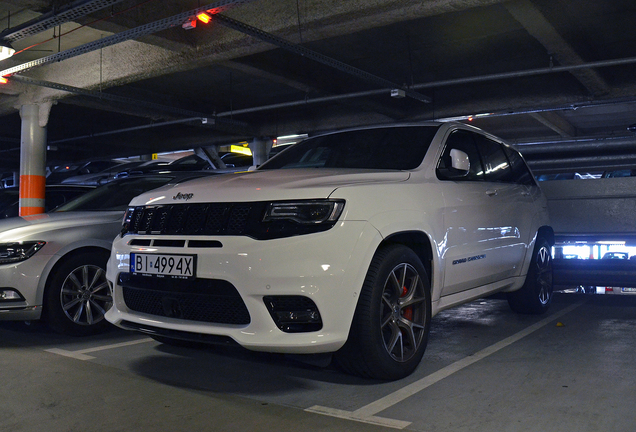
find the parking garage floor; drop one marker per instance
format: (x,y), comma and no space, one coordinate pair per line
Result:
(485,369)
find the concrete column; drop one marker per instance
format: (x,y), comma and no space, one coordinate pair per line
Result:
(33,158)
(260,148)
(211,154)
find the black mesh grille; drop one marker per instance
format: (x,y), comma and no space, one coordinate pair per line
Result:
(205,300)
(193,219)
(214,219)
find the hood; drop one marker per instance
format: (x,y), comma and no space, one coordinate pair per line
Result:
(11,228)
(265,185)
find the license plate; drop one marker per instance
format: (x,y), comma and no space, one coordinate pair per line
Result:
(629,289)
(176,266)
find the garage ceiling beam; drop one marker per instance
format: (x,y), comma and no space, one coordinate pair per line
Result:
(527,14)
(313,55)
(555,122)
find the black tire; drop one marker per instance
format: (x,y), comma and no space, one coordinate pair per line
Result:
(390,327)
(77,295)
(536,294)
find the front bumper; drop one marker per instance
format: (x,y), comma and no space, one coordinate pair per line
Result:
(328,268)
(25,278)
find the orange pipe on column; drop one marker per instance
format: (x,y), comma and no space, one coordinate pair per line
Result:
(32,194)
(33,158)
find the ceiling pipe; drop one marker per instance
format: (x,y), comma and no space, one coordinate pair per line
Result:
(604,145)
(308,101)
(491,77)
(313,55)
(579,164)
(529,72)
(133,33)
(203,120)
(129,101)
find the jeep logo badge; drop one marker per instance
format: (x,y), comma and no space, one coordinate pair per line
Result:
(181,196)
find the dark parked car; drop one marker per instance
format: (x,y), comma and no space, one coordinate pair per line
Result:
(63,172)
(56,195)
(102,177)
(616,255)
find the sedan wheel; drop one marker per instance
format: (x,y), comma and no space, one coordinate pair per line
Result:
(85,295)
(77,295)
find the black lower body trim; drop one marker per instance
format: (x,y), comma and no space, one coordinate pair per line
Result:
(180,335)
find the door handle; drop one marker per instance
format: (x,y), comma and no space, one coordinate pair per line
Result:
(491,192)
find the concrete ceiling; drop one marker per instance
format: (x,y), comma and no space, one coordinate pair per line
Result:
(556,77)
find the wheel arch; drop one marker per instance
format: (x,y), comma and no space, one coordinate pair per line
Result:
(419,243)
(547,233)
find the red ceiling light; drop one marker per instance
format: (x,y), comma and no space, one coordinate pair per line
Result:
(190,24)
(204,18)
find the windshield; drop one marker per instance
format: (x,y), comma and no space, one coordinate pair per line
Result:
(386,148)
(114,195)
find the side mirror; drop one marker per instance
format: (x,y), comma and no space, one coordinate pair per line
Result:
(460,166)
(460,161)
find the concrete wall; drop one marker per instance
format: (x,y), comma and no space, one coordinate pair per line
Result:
(592,206)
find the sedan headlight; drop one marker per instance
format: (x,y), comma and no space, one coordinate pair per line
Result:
(19,251)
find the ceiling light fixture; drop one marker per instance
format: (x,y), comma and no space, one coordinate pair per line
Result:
(6,50)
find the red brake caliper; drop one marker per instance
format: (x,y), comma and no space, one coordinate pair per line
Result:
(407,312)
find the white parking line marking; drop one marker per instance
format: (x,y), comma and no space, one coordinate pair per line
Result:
(81,354)
(367,413)
(348,415)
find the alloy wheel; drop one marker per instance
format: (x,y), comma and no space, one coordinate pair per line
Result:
(85,295)
(544,275)
(403,312)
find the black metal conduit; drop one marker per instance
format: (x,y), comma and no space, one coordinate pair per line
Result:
(134,128)
(133,102)
(490,77)
(579,145)
(313,55)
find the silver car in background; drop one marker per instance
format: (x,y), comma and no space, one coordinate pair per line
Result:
(52,266)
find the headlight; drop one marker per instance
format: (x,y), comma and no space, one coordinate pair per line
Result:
(291,218)
(19,251)
(305,212)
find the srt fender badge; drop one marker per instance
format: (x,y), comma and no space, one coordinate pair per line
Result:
(181,196)
(469,259)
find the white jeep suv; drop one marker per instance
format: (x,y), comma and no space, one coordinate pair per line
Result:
(346,243)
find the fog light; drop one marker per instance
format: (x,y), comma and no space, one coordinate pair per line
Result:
(294,314)
(10,295)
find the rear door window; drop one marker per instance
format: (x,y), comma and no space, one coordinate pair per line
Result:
(496,164)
